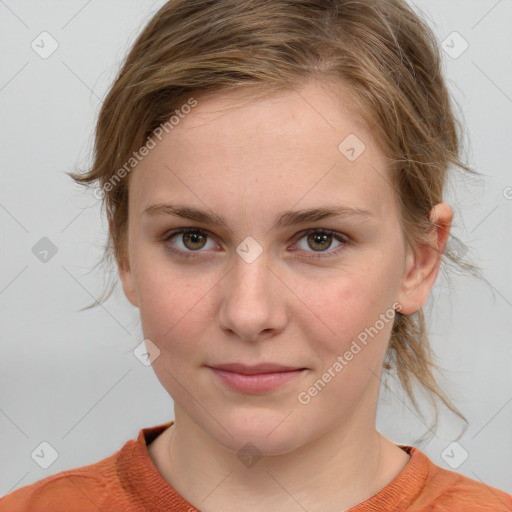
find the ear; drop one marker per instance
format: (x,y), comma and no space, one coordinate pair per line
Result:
(424,260)
(128,281)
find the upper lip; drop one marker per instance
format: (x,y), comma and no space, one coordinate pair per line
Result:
(258,368)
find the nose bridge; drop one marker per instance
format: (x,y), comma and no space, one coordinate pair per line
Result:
(251,277)
(250,302)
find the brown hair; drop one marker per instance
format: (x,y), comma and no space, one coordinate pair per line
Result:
(384,52)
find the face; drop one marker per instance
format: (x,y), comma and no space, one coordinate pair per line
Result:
(259,288)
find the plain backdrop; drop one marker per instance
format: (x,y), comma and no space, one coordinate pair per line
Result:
(70,378)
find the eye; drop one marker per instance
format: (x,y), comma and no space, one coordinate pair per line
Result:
(191,240)
(320,240)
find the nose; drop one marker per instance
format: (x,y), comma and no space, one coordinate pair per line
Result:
(254,301)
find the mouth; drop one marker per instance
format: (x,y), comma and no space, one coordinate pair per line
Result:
(257,379)
(256,369)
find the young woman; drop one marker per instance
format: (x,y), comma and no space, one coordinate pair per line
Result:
(273,177)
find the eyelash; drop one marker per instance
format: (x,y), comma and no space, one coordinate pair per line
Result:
(315,255)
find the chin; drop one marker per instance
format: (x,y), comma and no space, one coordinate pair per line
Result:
(259,434)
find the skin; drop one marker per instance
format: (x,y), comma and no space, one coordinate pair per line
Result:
(248,163)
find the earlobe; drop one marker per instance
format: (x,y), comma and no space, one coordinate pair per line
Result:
(128,282)
(424,261)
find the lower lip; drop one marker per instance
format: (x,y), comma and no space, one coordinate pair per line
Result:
(256,383)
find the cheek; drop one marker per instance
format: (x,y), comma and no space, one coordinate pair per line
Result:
(171,310)
(349,341)
(170,306)
(352,299)
(166,296)
(351,316)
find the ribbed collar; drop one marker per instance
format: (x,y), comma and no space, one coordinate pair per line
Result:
(142,480)
(404,489)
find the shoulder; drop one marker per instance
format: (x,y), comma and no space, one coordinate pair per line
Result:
(446,490)
(422,486)
(126,480)
(84,489)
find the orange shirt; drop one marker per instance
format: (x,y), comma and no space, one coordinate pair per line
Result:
(129,481)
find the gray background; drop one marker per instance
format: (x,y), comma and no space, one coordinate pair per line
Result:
(70,378)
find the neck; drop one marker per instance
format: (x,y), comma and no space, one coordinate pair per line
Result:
(335,471)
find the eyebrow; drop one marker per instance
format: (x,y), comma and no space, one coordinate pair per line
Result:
(284,219)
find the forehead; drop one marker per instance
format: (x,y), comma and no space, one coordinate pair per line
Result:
(304,144)
(310,111)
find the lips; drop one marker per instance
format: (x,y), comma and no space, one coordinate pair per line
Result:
(256,369)
(256,379)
